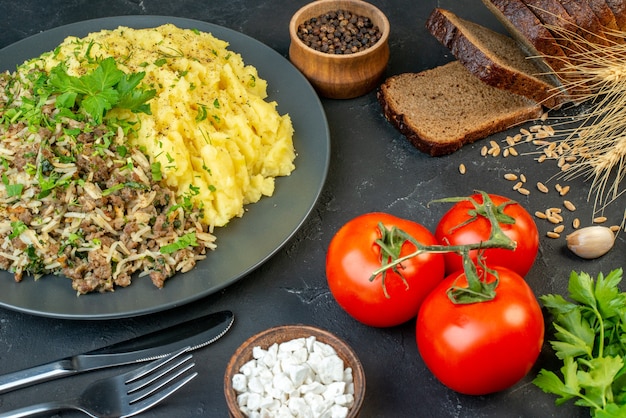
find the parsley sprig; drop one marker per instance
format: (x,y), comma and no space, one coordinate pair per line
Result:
(590,339)
(101,90)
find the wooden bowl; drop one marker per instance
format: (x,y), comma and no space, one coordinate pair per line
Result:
(285,333)
(340,76)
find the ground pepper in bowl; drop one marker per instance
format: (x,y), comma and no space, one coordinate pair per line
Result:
(339,32)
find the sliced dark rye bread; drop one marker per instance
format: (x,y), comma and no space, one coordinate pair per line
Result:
(441,109)
(588,23)
(534,39)
(552,14)
(537,41)
(618,7)
(605,15)
(494,58)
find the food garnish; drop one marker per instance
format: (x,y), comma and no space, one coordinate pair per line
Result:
(590,331)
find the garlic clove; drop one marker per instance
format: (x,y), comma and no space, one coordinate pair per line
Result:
(591,242)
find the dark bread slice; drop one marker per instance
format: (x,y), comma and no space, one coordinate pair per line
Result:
(618,7)
(494,58)
(552,14)
(604,13)
(534,39)
(441,109)
(588,23)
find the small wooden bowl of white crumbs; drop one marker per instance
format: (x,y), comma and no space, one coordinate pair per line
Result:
(294,370)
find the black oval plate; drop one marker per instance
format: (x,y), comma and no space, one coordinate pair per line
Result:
(245,243)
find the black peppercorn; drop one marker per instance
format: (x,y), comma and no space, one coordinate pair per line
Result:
(339,32)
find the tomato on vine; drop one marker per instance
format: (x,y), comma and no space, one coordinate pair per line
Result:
(482,334)
(467,223)
(355,255)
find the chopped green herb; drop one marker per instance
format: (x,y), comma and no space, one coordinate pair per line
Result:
(120,186)
(122,150)
(12,189)
(182,242)
(36,264)
(17,227)
(155,168)
(205,136)
(72,132)
(202,113)
(194,190)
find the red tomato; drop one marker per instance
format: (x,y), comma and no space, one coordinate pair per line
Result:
(353,256)
(482,347)
(454,229)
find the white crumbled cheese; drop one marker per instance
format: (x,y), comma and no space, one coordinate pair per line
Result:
(240,382)
(300,378)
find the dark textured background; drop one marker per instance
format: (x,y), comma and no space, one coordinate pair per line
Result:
(373,168)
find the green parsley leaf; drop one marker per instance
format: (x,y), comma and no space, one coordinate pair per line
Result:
(155,168)
(202,113)
(590,338)
(122,150)
(131,98)
(17,227)
(12,189)
(182,242)
(101,90)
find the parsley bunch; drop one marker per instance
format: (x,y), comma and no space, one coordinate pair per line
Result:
(590,334)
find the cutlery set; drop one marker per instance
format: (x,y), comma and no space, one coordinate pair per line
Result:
(133,392)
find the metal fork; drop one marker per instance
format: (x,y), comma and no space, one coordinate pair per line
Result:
(124,395)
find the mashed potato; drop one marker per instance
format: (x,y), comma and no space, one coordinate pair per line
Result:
(216,139)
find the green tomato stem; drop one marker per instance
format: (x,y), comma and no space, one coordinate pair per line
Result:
(478,290)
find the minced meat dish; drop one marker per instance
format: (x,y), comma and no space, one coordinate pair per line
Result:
(77,200)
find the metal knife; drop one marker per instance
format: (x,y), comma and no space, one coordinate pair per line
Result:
(195,333)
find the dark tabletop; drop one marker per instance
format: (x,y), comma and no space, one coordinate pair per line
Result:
(372,168)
